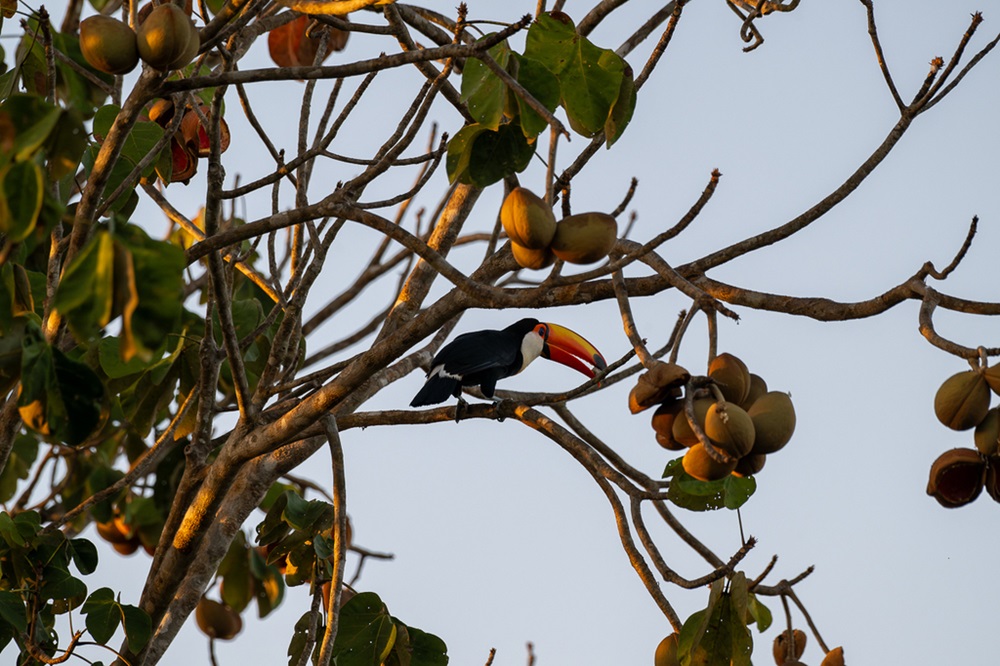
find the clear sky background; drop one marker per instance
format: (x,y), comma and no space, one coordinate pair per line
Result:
(500,538)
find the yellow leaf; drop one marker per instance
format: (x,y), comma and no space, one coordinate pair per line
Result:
(336,7)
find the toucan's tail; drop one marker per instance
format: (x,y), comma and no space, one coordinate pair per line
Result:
(437,389)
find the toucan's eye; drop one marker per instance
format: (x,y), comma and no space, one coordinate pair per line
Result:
(543,331)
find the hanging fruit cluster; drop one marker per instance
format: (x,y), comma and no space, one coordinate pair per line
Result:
(537,240)
(958,476)
(165,39)
(190,143)
(739,419)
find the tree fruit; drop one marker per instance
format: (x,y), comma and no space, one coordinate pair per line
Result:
(773,421)
(987,434)
(732,376)
(666,652)
(661,382)
(698,463)
(196,135)
(585,238)
(957,477)
(167,39)
(993,477)
(834,657)
(789,646)
(730,429)
(963,400)
(758,387)
(108,44)
(217,620)
(663,424)
(992,377)
(750,465)
(536,260)
(527,219)
(294,44)
(681,429)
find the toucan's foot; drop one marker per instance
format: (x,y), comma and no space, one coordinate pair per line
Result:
(496,406)
(460,409)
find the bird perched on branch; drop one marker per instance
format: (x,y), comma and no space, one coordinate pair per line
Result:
(482,358)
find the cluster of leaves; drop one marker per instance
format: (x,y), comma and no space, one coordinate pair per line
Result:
(559,67)
(36,585)
(719,633)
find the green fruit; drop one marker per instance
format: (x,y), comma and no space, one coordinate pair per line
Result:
(108,44)
(732,376)
(758,387)
(533,259)
(585,238)
(527,219)
(165,38)
(987,434)
(681,429)
(698,463)
(666,652)
(992,377)
(963,400)
(731,429)
(773,421)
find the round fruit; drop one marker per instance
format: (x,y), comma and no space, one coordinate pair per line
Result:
(165,38)
(217,620)
(987,434)
(533,259)
(663,424)
(957,477)
(834,657)
(781,646)
(992,377)
(108,44)
(698,463)
(681,430)
(773,421)
(585,238)
(127,547)
(732,376)
(114,531)
(527,219)
(758,387)
(750,465)
(666,652)
(963,400)
(731,429)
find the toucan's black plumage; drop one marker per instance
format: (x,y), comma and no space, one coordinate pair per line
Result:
(482,358)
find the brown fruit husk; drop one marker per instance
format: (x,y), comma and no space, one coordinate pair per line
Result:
(957,477)
(993,478)
(962,400)
(663,424)
(290,46)
(164,38)
(697,462)
(527,219)
(834,657)
(108,44)
(987,434)
(750,465)
(732,376)
(217,620)
(730,429)
(535,260)
(780,647)
(992,377)
(682,431)
(585,238)
(773,419)
(666,652)
(196,137)
(758,387)
(660,383)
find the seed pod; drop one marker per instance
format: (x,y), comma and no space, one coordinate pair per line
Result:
(732,376)
(666,652)
(963,400)
(781,646)
(834,657)
(758,387)
(533,259)
(957,477)
(663,424)
(992,377)
(773,421)
(698,463)
(585,238)
(165,37)
(993,477)
(681,429)
(661,382)
(987,434)
(750,465)
(730,429)
(108,44)
(217,620)
(527,219)
(196,136)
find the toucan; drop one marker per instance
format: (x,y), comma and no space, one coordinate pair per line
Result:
(482,358)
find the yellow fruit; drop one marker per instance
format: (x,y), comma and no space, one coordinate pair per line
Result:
(963,400)
(681,429)
(773,421)
(167,39)
(834,657)
(666,652)
(108,44)
(217,620)
(698,463)
(781,646)
(730,429)
(585,238)
(533,259)
(987,434)
(732,376)
(527,219)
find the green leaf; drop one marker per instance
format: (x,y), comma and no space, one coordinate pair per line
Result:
(621,111)
(110,358)
(103,614)
(428,649)
(366,633)
(140,142)
(482,90)
(460,152)
(551,41)
(138,626)
(759,613)
(312,516)
(84,554)
(237,583)
(59,583)
(104,119)
(85,295)
(20,199)
(482,157)
(66,144)
(689,493)
(22,456)
(543,86)
(13,611)
(33,119)
(9,532)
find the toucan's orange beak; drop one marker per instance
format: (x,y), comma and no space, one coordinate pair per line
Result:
(572,349)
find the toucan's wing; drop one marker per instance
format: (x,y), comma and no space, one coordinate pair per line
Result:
(477,351)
